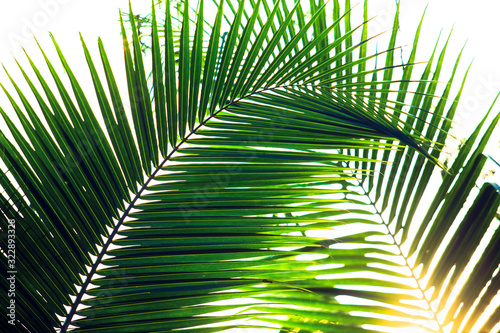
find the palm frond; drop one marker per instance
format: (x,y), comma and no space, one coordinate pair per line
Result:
(265,179)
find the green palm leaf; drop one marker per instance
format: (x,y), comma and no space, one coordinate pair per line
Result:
(265,179)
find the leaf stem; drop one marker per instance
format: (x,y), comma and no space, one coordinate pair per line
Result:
(104,249)
(424,297)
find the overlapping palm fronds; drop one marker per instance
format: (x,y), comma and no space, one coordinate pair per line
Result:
(267,178)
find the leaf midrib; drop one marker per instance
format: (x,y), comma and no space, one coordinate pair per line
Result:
(407,264)
(105,247)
